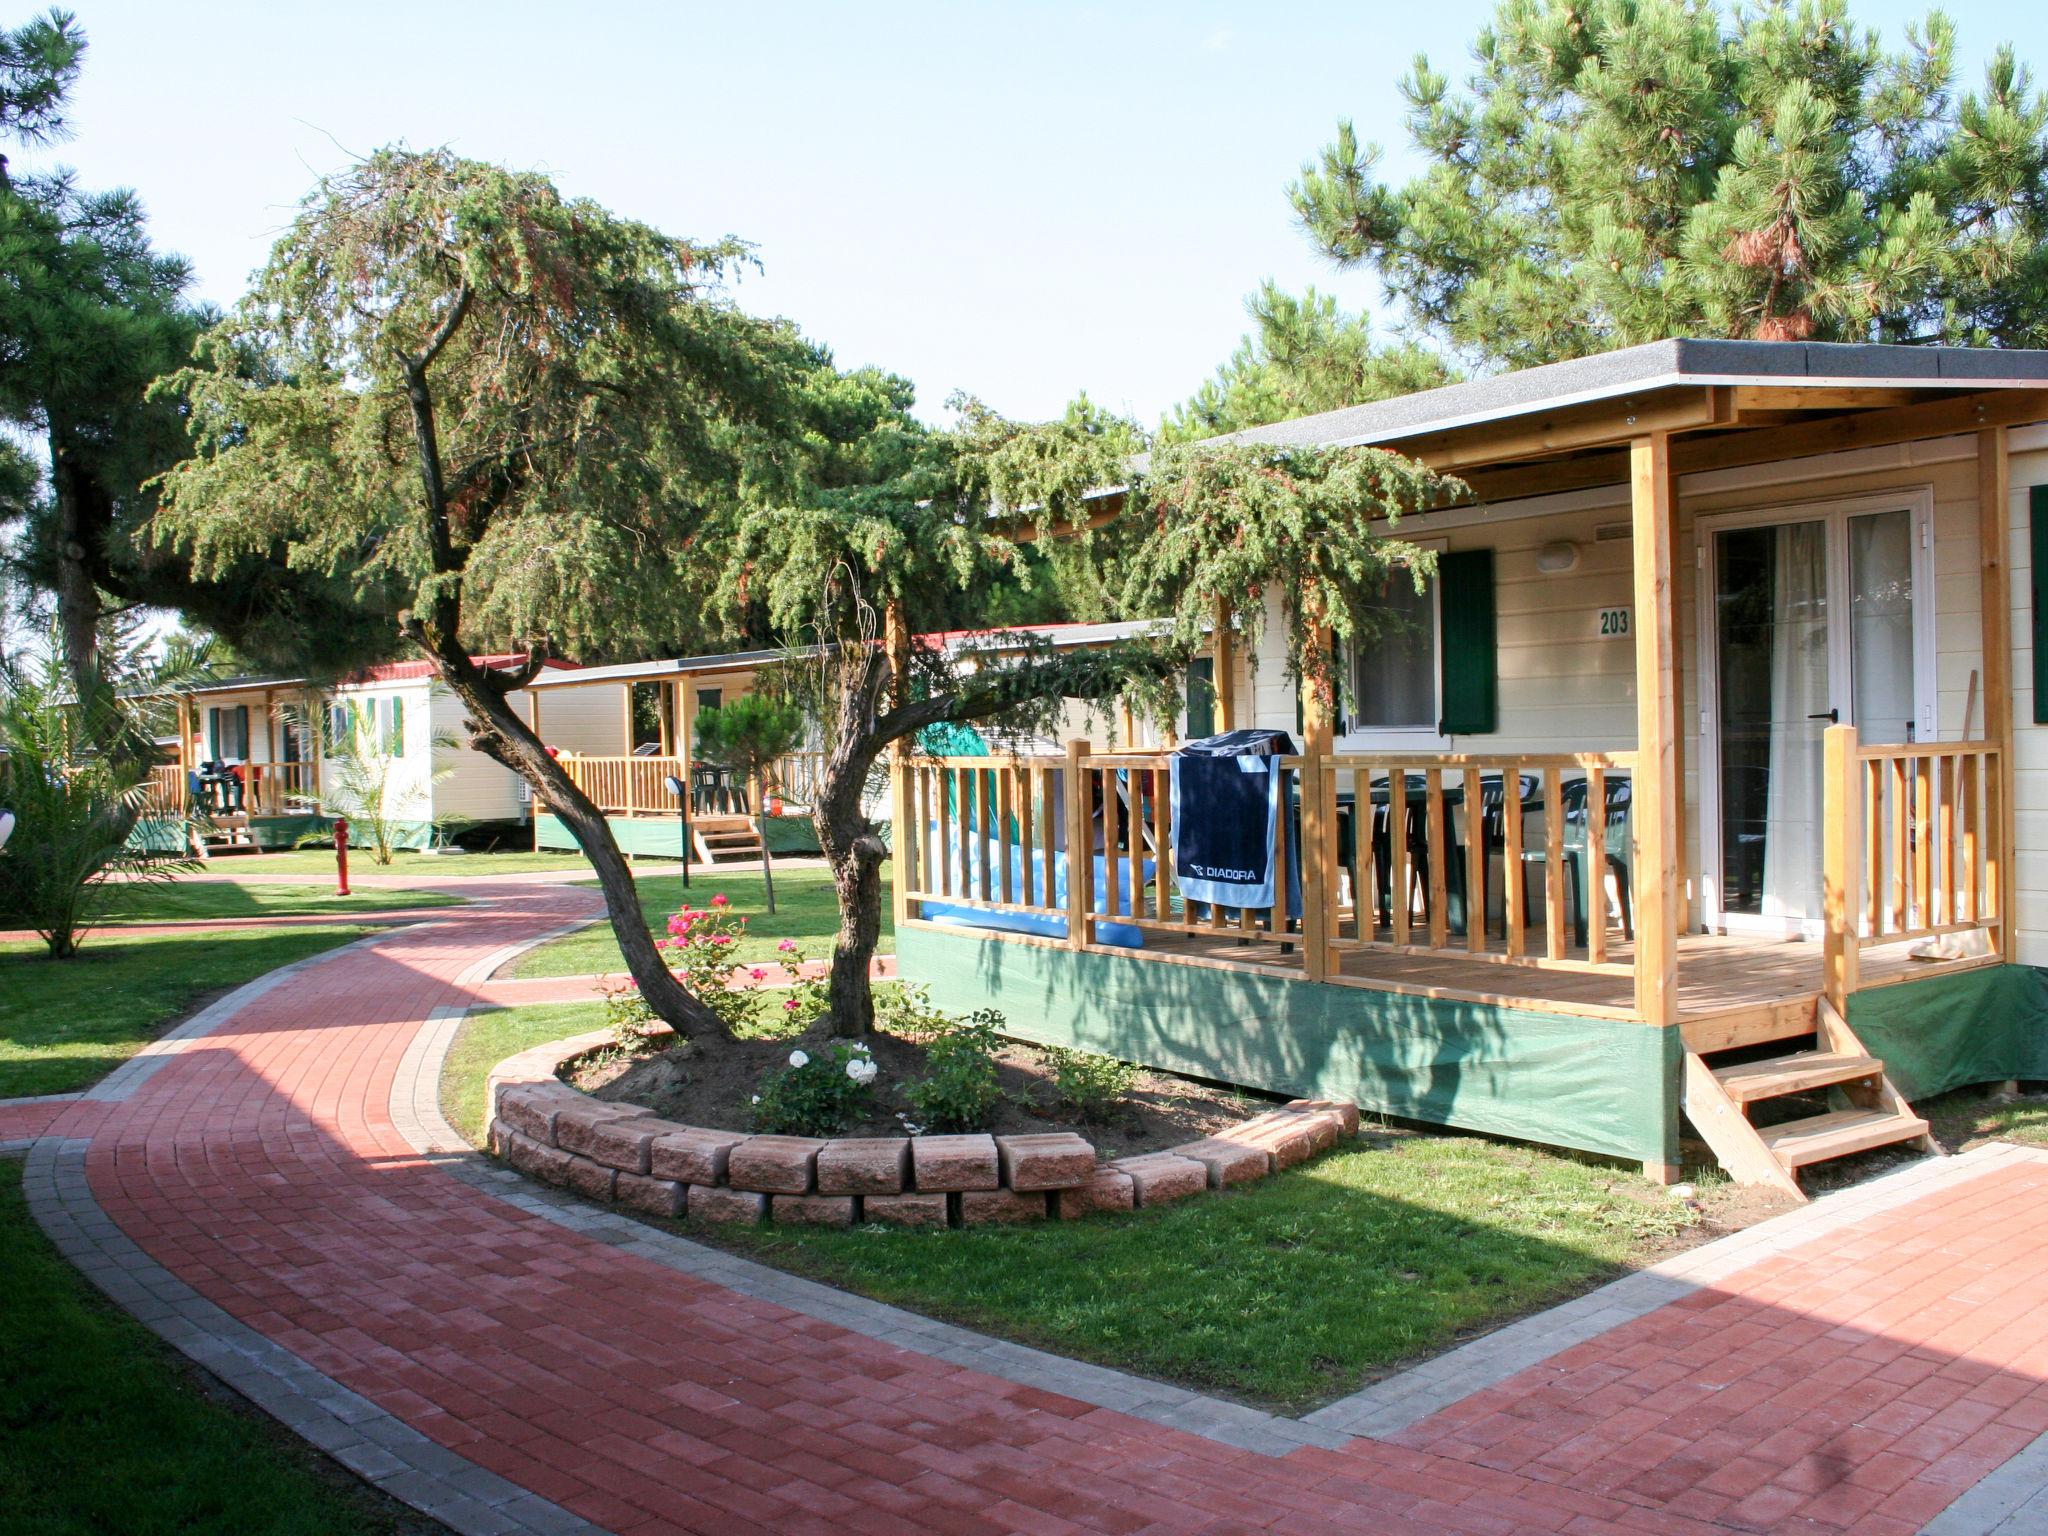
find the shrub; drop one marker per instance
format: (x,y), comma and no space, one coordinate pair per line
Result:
(701,947)
(906,1011)
(628,1017)
(1090,1085)
(817,1095)
(959,1091)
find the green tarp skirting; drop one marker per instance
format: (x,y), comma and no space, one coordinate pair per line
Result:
(1599,1085)
(1947,1032)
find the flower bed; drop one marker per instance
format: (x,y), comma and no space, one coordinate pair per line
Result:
(626,1154)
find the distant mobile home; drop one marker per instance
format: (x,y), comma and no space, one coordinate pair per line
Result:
(246,748)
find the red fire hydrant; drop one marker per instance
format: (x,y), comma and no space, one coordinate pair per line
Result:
(341,855)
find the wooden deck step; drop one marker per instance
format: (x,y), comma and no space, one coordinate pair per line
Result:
(1777,1076)
(1820,1137)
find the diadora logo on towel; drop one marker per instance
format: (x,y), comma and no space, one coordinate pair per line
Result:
(1218,872)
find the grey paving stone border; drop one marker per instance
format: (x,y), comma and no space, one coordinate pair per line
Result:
(2012,1501)
(377,1446)
(1392,1405)
(1377,1411)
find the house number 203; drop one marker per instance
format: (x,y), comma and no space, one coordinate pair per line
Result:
(1613,623)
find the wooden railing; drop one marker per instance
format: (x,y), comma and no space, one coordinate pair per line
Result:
(1443,853)
(1913,849)
(165,795)
(260,789)
(638,786)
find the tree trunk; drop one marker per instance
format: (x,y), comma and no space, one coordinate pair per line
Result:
(501,734)
(767,865)
(855,855)
(83,514)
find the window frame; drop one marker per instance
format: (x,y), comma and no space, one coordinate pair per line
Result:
(1364,738)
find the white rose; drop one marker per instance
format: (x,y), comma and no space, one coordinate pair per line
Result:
(799,1059)
(861,1071)
(757,1098)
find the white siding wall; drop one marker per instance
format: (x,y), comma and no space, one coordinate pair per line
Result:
(2030,741)
(476,788)
(408,791)
(585,720)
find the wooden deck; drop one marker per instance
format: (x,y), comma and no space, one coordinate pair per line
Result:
(1717,974)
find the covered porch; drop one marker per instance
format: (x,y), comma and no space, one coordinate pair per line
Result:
(1489,882)
(625,736)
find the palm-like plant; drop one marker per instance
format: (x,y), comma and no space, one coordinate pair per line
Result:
(74,772)
(362,782)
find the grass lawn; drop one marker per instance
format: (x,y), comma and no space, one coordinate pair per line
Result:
(404,861)
(1284,1292)
(187,900)
(65,1024)
(805,910)
(105,1429)
(1969,1115)
(487,1038)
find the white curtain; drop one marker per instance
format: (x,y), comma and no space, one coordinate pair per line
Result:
(1799,690)
(1881,625)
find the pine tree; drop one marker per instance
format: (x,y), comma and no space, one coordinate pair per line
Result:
(1618,171)
(1303,355)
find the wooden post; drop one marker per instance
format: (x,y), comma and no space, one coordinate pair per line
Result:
(1654,793)
(1994,536)
(1080,844)
(904,831)
(1680,847)
(1318,862)
(1841,864)
(1223,664)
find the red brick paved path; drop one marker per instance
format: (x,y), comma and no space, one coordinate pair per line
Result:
(1861,1386)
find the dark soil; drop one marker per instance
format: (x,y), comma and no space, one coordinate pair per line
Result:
(713,1083)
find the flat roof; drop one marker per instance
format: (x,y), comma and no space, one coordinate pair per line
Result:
(677,666)
(1658,365)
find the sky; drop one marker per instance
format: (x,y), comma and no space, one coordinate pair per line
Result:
(1019,201)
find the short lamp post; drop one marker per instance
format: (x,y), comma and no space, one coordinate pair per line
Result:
(681,791)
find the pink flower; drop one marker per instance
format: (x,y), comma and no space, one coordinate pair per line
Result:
(789,1005)
(787,946)
(719,900)
(721,938)
(758,974)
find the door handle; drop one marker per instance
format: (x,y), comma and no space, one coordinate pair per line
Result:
(1832,716)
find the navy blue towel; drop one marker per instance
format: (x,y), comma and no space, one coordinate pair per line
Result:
(1229,794)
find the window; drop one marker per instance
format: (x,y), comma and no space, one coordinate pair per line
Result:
(1201,697)
(338,725)
(394,735)
(1394,669)
(227,734)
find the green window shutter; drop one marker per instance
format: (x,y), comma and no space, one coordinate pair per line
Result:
(1470,660)
(397,744)
(2037,535)
(213,735)
(1201,697)
(242,732)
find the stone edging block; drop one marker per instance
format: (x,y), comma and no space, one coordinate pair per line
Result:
(626,1154)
